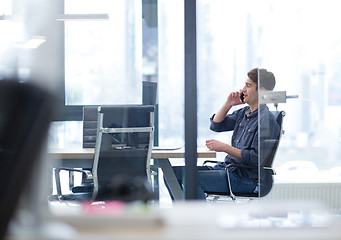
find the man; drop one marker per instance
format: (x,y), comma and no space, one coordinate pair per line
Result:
(244,147)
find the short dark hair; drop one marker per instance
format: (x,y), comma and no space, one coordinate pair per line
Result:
(266,79)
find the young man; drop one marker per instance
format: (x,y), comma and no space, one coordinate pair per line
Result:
(244,144)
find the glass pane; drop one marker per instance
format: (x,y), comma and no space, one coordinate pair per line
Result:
(7,54)
(6,7)
(103,59)
(227,40)
(89,6)
(226,52)
(269,127)
(12,38)
(66,134)
(304,53)
(171,82)
(171,72)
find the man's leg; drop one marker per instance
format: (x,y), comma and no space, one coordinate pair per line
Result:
(216,181)
(241,183)
(212,181)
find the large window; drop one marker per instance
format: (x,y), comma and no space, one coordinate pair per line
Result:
(105,62)
(103,65)
(12,33)
(103,58)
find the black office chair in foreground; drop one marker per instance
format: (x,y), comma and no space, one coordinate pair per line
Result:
(121,167)
(266,170)
(26,111)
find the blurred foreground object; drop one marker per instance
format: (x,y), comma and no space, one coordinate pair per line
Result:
(25,114)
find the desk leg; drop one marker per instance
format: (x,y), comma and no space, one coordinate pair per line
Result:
(169,175)
(155,178)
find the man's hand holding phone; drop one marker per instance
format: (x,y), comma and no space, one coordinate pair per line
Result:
(236,98)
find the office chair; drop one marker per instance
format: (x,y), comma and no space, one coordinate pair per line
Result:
(121,167)
(89,137)
(266,170)
(90,115)
(26,111)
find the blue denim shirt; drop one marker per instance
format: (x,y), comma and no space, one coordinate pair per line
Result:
(244,124)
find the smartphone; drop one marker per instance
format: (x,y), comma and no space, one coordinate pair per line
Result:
(242,97)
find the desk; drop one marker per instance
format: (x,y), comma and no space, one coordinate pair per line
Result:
(157,153)
(83,157)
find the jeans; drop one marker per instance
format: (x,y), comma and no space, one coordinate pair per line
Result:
(214,179)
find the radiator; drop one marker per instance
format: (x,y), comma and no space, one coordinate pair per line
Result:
(327,194)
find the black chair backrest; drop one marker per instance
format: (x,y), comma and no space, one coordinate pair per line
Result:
(25,114)
(272,146)
(279,115)
(89,126)
(123,155)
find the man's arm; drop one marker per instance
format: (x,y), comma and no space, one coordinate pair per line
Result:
(215,145)
(232,100)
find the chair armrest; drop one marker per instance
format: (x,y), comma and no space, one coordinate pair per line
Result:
(210,161)
(250,167)
(240,166)
(87,173)
(271,169)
